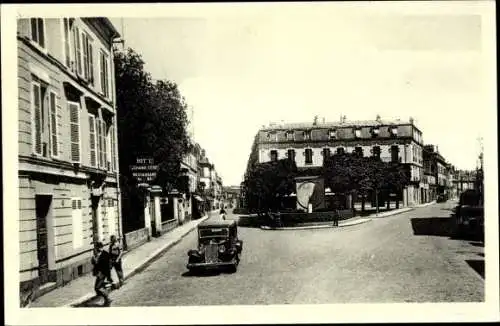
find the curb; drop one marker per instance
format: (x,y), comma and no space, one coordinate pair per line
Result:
(360,221)
(141,266)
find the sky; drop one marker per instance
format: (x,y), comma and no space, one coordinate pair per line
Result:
(241,69)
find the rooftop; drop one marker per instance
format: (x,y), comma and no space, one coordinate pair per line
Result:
(338,124)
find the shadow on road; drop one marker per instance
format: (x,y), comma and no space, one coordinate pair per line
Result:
(477,265)
(436,226)
(93,302)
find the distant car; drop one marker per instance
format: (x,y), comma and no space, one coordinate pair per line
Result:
(218,247)
(441,199)
(470,214)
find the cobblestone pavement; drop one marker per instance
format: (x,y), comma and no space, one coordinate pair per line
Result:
(411,257)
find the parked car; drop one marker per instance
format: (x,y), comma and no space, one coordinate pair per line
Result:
(441,198)
(470,214)
(218,247)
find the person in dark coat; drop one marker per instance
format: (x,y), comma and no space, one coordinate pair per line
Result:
(102,271)
(115,252)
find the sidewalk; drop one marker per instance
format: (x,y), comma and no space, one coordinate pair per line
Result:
(349,222)
(82,289)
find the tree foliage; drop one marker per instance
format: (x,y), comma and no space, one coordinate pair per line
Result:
(266,183)
(152,119)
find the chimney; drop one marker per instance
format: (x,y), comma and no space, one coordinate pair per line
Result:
(378,118)
(411,120)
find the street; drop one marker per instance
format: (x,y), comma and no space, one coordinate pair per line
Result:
(403,258)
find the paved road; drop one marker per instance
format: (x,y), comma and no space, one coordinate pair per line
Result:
(403,258)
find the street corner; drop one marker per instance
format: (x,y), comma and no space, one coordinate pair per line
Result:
(351,223)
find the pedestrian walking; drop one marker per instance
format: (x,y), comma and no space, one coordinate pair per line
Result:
(115,253)
(223,213)
(102,271)
(336,217)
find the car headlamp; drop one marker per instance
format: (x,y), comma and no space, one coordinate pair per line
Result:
(222,248)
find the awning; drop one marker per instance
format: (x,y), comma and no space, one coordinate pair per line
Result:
(198,198)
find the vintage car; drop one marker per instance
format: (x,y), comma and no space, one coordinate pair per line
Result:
(218,246)
(469,214)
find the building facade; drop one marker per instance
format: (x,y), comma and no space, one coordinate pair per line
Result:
(308,143)
(231,197)
(68,158)
(436,170)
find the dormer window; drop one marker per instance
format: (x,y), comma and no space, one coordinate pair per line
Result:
(289,135)
(332,134)
(357,132)
(375,132)
(306,134)
(393,130)
(272,135)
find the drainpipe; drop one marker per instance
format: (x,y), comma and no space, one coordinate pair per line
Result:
(121,235)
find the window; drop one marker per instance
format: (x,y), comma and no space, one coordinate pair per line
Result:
(76,215)
(101,142)
(358,150)
(394,131)
(88,60)
(375,132)
(93,143)
(376,151)
(332,134)
(357,133)
(307,135)
(326,152)
(394,153)
(38,31)
(274,155)
(36,117)
(309,154)
(77,49)
(104,74)
(54,138)
(289,135)
(340,150)
(113,148)
(74,121)
(66,42)
(291,154)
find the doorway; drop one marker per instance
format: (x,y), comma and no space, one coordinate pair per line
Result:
(42,207)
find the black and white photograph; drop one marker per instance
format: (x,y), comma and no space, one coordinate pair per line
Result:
(293,162)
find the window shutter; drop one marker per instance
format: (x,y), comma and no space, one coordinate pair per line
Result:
(78,51)
(113,148)
(76,215)
(41,36)
(91,63)
(53,125)
(85,50)
(74,113)
(37,119)
(93,144)
(75,50)
(99,141)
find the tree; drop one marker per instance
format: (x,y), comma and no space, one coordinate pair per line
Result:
(266,183)
(397,178)
(152,119)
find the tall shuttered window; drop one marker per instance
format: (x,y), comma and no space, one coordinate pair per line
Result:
(308,153)
(104,71)
(78,49)
(74,121)
(54,120)
(102,144)
(113,147)
(93,141)
(36,117)
(87,58)
(77,221)
(38,31)
(66,41)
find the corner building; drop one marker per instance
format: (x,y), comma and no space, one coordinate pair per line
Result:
(68,163)
(308,143)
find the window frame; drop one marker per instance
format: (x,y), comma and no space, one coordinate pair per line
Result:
(376,153)
(43,47)
(79,132)
(33,127)
(77,209)
(56,127)
(332,134)
(271,155)
(308,150)
(291,150)
(104,89)
(68,54)
(95,150)
(357,132)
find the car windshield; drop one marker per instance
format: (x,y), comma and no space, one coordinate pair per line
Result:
(214,233)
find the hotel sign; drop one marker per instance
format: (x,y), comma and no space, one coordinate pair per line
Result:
(144,171)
